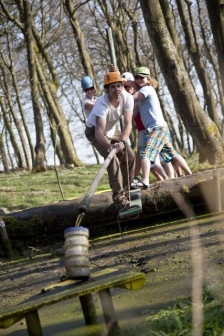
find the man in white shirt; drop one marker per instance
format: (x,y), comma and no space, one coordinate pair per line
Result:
(103,131)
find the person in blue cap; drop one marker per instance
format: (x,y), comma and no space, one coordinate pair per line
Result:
(89,100)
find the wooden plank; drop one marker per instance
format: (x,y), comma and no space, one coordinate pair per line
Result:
(8,321)
(115,279)
(68,282)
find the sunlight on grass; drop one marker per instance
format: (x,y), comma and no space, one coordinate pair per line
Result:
(176,320)
(25,189)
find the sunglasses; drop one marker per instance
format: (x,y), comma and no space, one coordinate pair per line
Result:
(89,89)
(139,77)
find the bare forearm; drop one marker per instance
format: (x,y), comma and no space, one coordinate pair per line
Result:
(102,140)
(126,132)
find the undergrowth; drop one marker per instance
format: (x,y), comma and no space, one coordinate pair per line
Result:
(177,320)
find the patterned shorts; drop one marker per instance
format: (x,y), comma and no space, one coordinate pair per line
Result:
(158,140)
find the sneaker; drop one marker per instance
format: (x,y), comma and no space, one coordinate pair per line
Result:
(133,186)
(141,185)
(136,179)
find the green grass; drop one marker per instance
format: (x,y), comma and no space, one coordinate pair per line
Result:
(25,189)
(177,320)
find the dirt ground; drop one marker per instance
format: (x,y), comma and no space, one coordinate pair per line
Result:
(162,252)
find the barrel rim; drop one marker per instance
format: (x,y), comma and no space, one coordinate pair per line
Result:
(76,228)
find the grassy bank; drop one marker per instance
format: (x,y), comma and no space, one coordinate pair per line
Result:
(177,320)
(25,189)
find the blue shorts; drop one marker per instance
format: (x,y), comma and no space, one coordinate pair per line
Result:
(157,140)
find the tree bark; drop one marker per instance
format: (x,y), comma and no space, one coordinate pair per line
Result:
(8,125)
(215,12)
(3,154)
(196,56)
(20,107)
(212,57)
(59,118)
(159,202)
(199,125)
(85,58)
(40,162)
(15,118)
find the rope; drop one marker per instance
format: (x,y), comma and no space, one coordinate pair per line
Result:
(119,225)
(79,219)
(128,176)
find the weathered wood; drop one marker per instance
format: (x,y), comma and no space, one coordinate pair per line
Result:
(88,308)
(98,282)
(33,323)
(199,188)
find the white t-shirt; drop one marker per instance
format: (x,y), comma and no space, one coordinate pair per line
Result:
(104,109)
(84,101)
(149,108)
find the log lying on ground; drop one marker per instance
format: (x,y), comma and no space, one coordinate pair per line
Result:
(162,197)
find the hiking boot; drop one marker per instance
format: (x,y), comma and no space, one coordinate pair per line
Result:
(122,203)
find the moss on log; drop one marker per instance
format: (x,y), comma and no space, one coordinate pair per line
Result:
(161,198)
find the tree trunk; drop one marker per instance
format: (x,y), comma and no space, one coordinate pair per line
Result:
(17,152)
(123,52)
(40,162)
(202,129)
(15,118)
(85,58)
(56,143)
(160,202)
(215,12)
(3,155)
(170,24)
(131,13)
(196,56)
(60,121)
(212,57)
(20,106)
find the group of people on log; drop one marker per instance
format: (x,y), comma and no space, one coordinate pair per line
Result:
(129,97)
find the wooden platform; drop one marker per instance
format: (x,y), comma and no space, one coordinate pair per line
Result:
(99,282)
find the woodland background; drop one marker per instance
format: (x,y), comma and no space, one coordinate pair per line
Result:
(47,46)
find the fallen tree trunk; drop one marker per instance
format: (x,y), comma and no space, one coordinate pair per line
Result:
(203,188)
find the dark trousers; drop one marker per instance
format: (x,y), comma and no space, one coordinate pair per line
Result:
(120,170)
